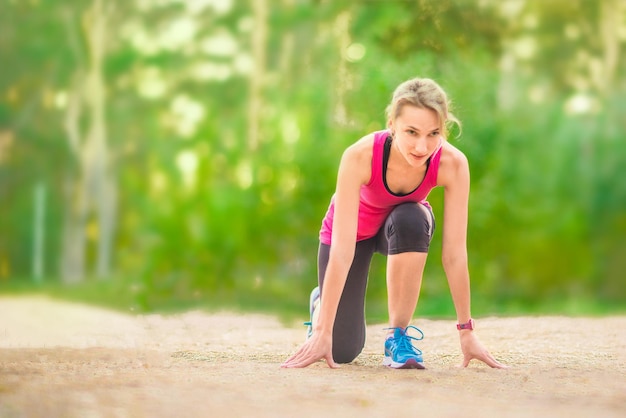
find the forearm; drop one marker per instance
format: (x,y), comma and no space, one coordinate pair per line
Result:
(459,282)
(334,282)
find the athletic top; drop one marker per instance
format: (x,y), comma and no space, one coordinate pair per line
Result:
(376,200)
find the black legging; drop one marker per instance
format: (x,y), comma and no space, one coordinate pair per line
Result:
(408,228)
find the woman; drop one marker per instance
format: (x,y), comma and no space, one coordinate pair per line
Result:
(380,205)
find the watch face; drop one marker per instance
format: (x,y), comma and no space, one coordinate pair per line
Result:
(469,325)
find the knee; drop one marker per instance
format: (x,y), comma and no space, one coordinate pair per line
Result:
(348,342)
(409,228)
(411,219)
(346,353)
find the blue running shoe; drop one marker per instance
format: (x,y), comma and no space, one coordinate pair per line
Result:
(400,352)
(314,301)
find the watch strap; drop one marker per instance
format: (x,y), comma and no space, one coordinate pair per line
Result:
(468,325)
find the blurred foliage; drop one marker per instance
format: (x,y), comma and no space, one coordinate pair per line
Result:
(225,122)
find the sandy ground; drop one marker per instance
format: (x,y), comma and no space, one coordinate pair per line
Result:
(67,360)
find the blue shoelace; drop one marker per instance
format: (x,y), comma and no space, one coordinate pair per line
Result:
(405,343)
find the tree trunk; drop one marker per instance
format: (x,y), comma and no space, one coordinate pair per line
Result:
(286,48)
(257,78)
(94,189)
(39,231)
(103,187)
(74,237)
(344,81)
(612,13)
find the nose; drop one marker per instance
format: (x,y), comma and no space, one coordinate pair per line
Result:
(420,146)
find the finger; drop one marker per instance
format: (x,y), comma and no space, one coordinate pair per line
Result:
(296,365)
(302,358)
(301,363)
(292,364)
(297,362)
(466,360)
(295,358)
(290,359)
(289,363)
(331,362)
(492,362)
(497,365)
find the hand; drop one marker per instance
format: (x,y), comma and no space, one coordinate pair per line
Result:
(319,346)
(473,349)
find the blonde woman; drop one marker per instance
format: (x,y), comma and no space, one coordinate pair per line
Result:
(380,206)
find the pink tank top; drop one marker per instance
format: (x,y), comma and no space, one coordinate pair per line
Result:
(376,202)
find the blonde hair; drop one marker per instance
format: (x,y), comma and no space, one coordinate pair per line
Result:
(426,94)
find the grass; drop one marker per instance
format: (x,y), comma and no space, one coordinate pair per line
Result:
(128,296)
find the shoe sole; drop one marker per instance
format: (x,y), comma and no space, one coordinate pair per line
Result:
(410,364)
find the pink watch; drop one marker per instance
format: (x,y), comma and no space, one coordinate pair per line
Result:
(468,325)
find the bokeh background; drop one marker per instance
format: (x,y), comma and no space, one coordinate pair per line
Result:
(164,154)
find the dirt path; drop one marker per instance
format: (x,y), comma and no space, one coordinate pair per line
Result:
(67,360)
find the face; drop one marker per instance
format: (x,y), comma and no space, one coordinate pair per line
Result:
(417,134)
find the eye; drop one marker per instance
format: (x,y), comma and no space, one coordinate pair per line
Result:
(411,132)
(435,133)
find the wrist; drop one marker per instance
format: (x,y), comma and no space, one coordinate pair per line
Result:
(466,326)
(322,329)
(465,333)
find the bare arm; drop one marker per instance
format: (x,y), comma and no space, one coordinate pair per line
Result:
(455,179)
(454,249)
(350,178)
(354,171)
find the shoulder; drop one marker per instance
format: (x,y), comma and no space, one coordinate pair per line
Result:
(361,151)
(453,165)
(357,158)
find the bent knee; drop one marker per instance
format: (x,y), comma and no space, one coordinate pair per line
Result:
(409,227)
(346,354)
(348,342)
(412,218)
